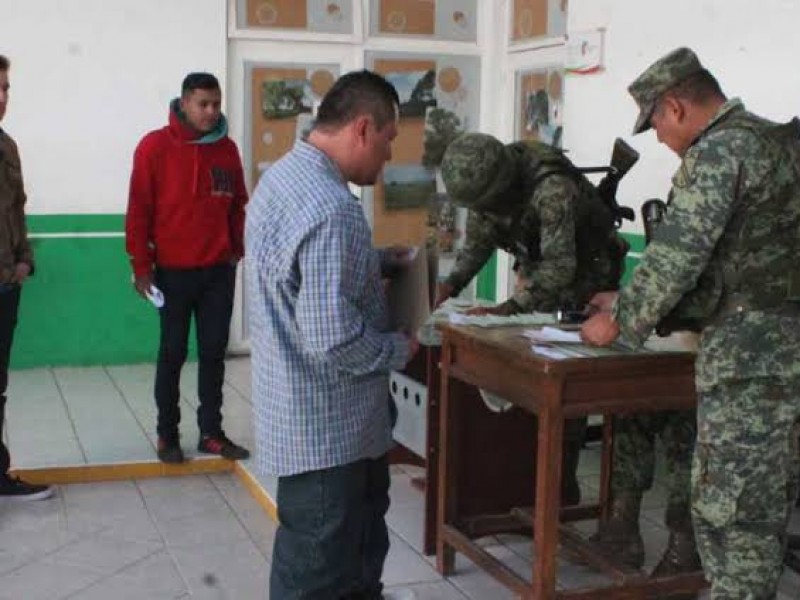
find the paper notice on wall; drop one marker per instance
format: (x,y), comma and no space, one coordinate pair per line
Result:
(408,294)
(584,52)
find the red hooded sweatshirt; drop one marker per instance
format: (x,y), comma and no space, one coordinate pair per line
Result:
(187,197)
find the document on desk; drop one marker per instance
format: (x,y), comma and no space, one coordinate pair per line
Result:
(553,335)
(408,294)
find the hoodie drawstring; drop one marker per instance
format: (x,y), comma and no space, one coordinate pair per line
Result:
(195,182)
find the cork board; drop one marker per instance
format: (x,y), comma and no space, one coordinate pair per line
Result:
(539,105)
(275,123)
(283,14)
(408,16)
(322,16)
(432,19)
(537,18)
(407,226)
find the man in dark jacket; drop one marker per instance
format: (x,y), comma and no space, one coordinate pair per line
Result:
(16,264)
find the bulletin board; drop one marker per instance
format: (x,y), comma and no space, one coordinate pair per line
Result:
(539,105)
(454,20)
(282,101)
(531,19)
(401,197)
(316,16)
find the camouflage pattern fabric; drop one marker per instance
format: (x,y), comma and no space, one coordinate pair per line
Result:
(553,223)
(744,482)
(634,453)
(731,238)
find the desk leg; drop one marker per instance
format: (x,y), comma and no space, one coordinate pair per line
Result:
(433,380)
(548,492)
(447,502)
(606,465)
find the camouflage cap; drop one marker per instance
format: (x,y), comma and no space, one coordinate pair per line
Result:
(667,72)
(473,167)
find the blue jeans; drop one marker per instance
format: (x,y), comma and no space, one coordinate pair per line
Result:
(332,540)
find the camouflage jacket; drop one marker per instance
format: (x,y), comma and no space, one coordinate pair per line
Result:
(562,237)
(727,249)
(14,246)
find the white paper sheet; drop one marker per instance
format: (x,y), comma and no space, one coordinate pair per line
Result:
(553,334)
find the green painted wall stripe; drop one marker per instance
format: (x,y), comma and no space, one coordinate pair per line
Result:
(636,240)
(486,287)
(38,224)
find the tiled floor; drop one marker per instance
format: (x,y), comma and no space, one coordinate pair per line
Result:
(201,536)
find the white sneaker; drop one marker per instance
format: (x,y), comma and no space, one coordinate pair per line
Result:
(399,594)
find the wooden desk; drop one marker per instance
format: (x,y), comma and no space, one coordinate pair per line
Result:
(500,360)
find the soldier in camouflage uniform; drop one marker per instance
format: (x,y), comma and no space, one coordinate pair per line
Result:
(729,242)
(529,200)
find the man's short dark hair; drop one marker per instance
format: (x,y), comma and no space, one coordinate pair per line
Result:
(358,93)
(199,81)
(5,64)
(698,88)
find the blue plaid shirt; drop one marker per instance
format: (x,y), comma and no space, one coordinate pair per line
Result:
(321,349)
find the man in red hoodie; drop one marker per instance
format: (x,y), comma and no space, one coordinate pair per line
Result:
(184,230)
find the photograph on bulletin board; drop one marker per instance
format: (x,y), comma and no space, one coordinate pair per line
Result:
(454,20)
(540,103)
(439,99)
(313,16)
(532,19)
(282,102)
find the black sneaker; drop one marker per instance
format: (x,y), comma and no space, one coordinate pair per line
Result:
(169,451)
(14,488)
(222,446)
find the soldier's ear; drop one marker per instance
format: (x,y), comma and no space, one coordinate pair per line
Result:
(673,108)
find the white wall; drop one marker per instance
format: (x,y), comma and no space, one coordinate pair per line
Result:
(89,78)
(751,47)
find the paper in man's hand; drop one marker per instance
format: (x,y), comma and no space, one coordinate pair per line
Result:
(409,294)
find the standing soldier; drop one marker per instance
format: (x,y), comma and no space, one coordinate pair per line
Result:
(731,236)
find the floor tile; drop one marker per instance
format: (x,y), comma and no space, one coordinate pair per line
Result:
(154,578)
(46,580)
(404,565)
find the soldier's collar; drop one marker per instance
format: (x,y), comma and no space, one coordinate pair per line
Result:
(730,106)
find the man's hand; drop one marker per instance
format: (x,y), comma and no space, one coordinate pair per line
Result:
(443,292)
(599,330)
(21,272)
(142,284)
(601,302)
(413,346)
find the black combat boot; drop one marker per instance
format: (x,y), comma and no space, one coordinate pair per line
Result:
(574,432)
(619,538)
(570,489)
(681,554)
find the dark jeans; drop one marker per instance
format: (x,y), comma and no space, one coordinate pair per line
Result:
(208,294)
(332,540)
(9,305)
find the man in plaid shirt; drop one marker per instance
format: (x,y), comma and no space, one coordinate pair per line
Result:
(322,348)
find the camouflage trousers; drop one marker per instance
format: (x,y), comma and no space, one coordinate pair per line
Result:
(635,452)
(744,483)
